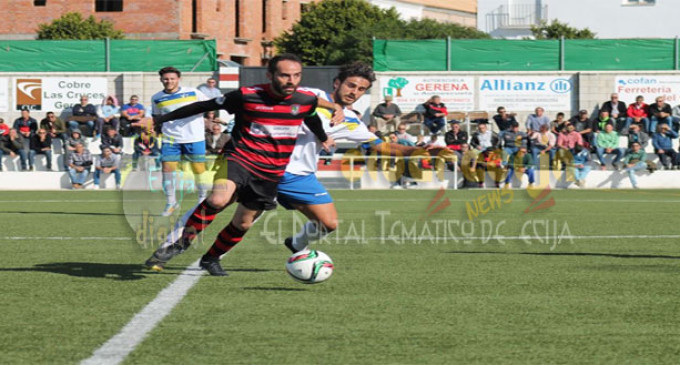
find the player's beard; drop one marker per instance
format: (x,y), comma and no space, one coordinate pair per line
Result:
(280,88)
(344,100)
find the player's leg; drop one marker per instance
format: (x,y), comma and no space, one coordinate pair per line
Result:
(195,153)
(170,157)
(228,238)
(323,220)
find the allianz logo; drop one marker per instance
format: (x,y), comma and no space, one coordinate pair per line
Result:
(558,86)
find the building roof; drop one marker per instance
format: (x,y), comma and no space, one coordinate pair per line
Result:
(469,6)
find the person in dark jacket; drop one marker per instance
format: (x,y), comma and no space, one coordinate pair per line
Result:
(662,141)
(435,114)
(10,145)
(111,139)
(41,144)
(455,137)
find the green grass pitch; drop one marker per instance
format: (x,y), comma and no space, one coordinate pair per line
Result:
(590,279)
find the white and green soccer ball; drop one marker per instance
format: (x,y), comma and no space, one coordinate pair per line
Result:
(310,266)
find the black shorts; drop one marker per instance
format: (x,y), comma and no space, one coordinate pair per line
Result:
(252,191)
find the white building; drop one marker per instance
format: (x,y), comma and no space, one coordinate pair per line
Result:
(462,12)
(607,18)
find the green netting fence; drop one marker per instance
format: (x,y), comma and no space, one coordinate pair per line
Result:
(525,55)
(107,55)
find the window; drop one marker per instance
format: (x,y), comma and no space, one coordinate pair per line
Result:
(237,18)
(284,10)
(39,2)
(639,2)
(108,5)
(264,16)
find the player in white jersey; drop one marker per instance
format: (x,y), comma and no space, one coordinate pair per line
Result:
(299,188)
(182,137)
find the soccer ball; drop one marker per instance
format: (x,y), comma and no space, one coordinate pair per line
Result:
(310,266)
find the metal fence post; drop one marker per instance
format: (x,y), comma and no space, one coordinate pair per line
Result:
(676,56)
(562,53)
(448,53)
(107,54)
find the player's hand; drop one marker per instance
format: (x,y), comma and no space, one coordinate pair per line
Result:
(338,115)
(330,143)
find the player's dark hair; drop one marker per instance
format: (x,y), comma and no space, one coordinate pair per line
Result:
(271,66)
(357,68)
(168,70)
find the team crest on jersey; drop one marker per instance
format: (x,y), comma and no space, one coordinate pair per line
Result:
(295,109)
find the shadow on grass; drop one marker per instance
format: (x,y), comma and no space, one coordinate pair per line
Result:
(88,270)
(273,289)
(595,254)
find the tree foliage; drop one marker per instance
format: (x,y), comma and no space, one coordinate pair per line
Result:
(334,32)
(73,26)
(556,30)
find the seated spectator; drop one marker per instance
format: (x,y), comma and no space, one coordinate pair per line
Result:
(24,138)
(635,135)
(402,134)
(25,121)
(536,120)
(215,141)
(660,113)
(579,166)
(131,115)
(435,114)
(676,118)
(503,119)
(85,114)
(108,113)
(566,143)
(584,126)
(455,137)
(662,141)
(601,122)
(79,164)
(146,144)
(635,160)
(41,144)
(9,145)
(638,114)
(557,125)
(4,128)
(608,143)
(523,163)
(511,140)
(617,111)
(492,161)
(70,145)
(210,89)
(54,126)
(472,176)
(112,140)
(210,118)
(484,139)
(107,163)
(387,115)
(542,143)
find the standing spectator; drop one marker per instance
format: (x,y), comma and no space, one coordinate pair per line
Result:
(601,122)
(536,120)
(435,114)
(41,144)
(660,113)
(4,128)
(79,163)
(634,160)
(146,144)
(210,89)
(503,119)
(455,138)
(85,113)
(215,140)
(24,138)
(131,115)
(543,142)
(112,140)
(566,143)
(70,145)
(584,126)
(107,163)
(26,121)
(608,143)
(512,140)
(579,166)
(9,145)
(402,134)
(387,115)
(108,112)
(638,114)
(557,125)
(635,135)
(523,163)
(617,111)
(54,126)
(209,119)
(662,141)
(484,139)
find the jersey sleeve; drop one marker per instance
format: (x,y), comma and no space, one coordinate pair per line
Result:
(231,101)
(353,132)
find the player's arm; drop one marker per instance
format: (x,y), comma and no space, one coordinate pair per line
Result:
(228,102)
(338,114)
(313,122)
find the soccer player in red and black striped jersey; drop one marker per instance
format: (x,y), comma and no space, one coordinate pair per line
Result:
(268,117)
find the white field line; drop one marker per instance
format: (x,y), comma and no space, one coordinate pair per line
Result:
(118,347)
(31,238)
(566,201)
